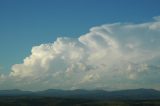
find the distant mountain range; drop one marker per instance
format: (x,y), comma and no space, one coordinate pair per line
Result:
(132,94)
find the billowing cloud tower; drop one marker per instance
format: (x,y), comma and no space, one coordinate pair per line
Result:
(111,56)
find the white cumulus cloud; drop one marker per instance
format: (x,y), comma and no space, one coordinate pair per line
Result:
(111,56)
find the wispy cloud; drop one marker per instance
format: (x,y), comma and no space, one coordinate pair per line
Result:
(117,56)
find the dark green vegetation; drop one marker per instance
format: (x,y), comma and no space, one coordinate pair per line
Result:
(53,97)
(39,101)
(51,101)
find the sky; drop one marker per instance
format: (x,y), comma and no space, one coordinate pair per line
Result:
(79,44)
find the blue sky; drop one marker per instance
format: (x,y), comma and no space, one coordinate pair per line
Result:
(24,23)
(28,23)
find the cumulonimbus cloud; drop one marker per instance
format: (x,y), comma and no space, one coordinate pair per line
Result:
(111,56)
